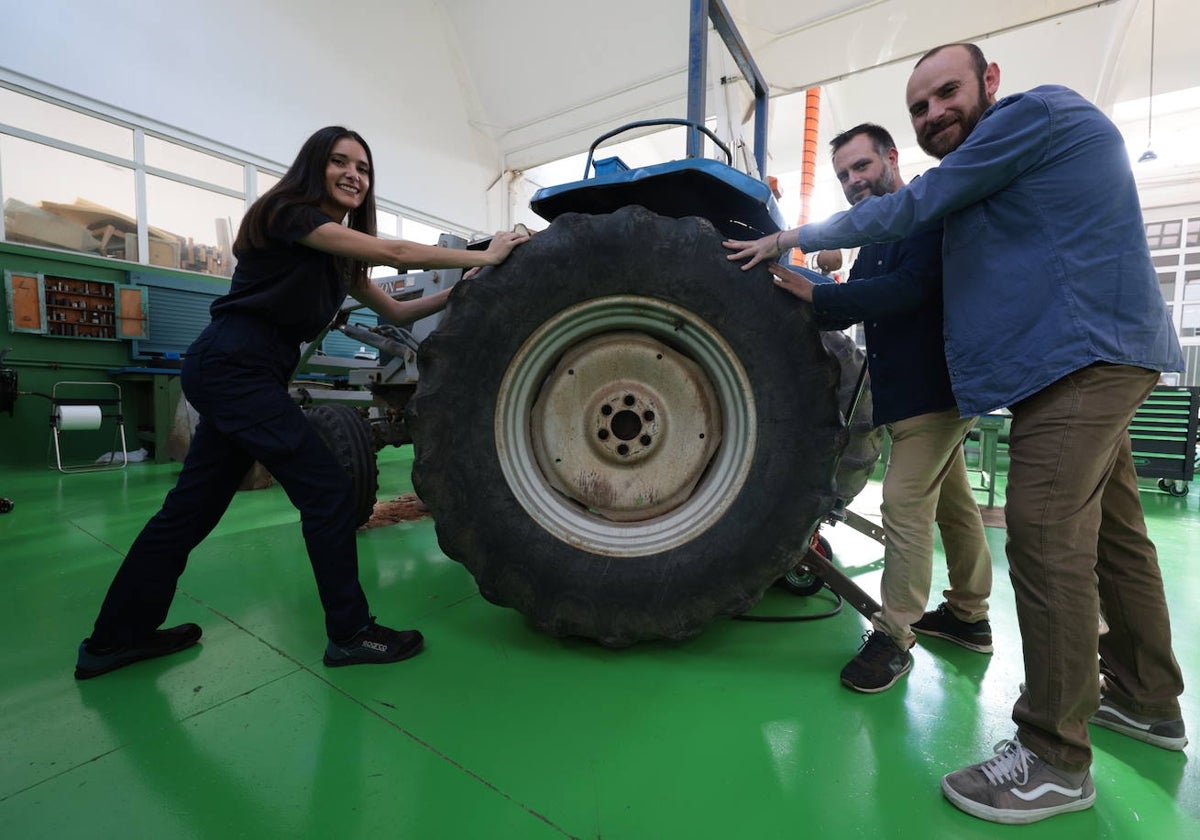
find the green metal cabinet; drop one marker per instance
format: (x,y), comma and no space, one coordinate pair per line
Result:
(1163,434)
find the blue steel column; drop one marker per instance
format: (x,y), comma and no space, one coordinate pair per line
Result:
(714,10)
(697,73)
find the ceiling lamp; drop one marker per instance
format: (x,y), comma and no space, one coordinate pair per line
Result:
(1149,154)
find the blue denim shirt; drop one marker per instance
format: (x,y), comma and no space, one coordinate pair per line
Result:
(1045,264)
(895,289)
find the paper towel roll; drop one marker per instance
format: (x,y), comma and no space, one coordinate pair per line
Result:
(77,417)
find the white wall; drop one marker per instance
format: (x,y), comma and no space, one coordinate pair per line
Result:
(259,76)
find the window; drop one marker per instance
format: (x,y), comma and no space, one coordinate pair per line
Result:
(391,225)
(162,154)
(415,231)
(70,180)
(266,180)
(1190,320)
(191,228)
(1163,234)
(41,117)
(59,199)
(387,224)
(1166,284)
(1175,250)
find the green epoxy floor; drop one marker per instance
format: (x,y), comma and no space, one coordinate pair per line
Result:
(496,731)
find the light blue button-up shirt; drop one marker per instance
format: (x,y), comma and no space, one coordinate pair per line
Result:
(1045,263)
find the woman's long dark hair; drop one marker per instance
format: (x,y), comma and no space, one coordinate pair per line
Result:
(304,183)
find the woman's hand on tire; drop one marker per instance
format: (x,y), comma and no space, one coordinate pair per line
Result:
(502,245)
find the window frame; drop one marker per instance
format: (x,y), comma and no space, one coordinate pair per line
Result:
(1180,251)
(252,166)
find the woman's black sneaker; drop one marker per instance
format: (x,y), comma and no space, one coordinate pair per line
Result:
(374,645)
(95,660)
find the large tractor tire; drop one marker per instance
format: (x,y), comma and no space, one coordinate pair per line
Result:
(858,458)
(866,441)
(348,436)
(620,433)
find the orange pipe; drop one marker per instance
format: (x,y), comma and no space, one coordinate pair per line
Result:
(808,171)
(808,159)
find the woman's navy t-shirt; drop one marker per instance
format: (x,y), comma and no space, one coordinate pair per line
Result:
(296,288)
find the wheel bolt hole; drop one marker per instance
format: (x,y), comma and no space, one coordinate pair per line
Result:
(629,399)
(626,425)
(606,410)
(648,416)
(644,440)
(602,434)
(622,449)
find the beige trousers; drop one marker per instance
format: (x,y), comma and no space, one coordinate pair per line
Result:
(926,482)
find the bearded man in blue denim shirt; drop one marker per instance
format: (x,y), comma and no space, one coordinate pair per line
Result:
(1052,308)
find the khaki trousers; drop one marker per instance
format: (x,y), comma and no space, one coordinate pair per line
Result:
(926,482)
(1077,546)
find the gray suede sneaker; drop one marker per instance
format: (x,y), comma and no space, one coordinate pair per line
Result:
(1161,732)
(1017,787)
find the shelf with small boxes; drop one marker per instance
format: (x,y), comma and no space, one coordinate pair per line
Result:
(73,307)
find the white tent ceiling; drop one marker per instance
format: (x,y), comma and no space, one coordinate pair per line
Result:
(471,98)
(545,77)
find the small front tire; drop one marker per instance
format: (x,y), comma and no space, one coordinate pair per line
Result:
(348,435)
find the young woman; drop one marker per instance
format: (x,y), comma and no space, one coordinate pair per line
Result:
(301,248)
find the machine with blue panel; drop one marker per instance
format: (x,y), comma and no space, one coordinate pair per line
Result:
(178,310)
(738,205)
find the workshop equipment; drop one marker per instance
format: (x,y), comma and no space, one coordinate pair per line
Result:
(85,407)
(621,433)
(1164,439)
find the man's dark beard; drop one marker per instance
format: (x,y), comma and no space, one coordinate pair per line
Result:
(967,122)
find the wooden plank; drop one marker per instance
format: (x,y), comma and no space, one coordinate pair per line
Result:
(129,311)
(25,310)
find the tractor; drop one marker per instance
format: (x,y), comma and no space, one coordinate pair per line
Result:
(618,431)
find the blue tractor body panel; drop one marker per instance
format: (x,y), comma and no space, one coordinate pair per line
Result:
(739,206)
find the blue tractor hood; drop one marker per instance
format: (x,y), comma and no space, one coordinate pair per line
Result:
(739,206)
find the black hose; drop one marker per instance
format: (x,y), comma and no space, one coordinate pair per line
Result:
(782,618)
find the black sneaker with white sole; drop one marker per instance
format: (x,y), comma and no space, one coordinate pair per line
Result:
(374,645)
(944,624)
(878,665)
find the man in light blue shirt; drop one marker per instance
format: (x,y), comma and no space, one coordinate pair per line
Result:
(1052,309)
